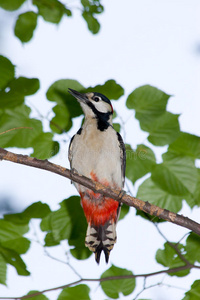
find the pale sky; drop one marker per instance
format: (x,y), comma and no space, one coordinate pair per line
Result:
(140,42)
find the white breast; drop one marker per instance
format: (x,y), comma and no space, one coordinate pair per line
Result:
(97,152)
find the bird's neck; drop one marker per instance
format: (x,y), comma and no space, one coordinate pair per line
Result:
(101,121)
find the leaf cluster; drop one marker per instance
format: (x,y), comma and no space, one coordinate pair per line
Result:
(51,11)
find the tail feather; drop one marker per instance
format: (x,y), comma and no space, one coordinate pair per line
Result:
(98,251)
(101,238)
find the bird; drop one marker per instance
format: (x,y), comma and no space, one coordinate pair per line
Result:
(97,151)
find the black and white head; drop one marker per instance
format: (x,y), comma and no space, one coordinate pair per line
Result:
(95,105)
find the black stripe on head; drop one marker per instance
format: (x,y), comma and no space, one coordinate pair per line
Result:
(104,98)
(102,118)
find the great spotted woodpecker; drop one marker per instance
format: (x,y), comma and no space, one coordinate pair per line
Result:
(97,151)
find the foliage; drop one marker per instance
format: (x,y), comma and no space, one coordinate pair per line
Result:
(170,182)
(51,11)
(113,288)
(77,292)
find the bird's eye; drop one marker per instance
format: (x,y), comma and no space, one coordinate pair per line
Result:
(96,99)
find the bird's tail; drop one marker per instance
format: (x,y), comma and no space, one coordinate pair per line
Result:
(101,238)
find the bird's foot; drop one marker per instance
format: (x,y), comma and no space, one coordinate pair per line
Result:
(121,194)
(73,171)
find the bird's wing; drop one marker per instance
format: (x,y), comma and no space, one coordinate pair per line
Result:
(122,156)
(71,145)
(70,151)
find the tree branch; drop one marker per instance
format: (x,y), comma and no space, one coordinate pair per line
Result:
(97,187)
(168,271)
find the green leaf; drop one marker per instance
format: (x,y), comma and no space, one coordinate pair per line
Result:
(177,175)
(186,144)
(168,257)
(110,89)
(194,292)
(51,10)
(58,223)
(124,210)
(58,92)
(16,90)
(147,100)
(194,199)
(91,8)
(192,247)
(13,258)
(39,297)
(3,270)
(117,127)
(62,121)
(7,71)
(10,99)
(19,117)
(25,86)
(139,162)
(19,244)
(150,106)
(12,244)
(68,12)
(114,114)
(94,7)
(112,288)
(37,210)
(19,130)
(80,291)
(50,240)
(11,236)
(92,23)
(67,223)
(45,147)
(163,130)
(9,231)
(25,26)
(10,4)
(149,191)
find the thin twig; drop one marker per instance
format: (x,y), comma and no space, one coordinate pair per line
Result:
(71,267)
(168,271)
(15,128)
(174,246)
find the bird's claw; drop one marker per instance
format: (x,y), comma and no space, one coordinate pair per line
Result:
(121,194)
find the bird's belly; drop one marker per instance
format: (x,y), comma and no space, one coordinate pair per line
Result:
(98,164)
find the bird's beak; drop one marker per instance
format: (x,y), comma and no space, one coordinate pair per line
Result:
(80,97)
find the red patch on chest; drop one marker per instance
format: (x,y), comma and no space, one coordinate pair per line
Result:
(97,208)
(97,211)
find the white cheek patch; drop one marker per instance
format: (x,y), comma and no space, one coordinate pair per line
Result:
(102,106)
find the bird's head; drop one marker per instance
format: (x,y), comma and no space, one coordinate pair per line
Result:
(94,105)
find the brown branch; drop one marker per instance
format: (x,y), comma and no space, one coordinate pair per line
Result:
(168,271)
(151,209)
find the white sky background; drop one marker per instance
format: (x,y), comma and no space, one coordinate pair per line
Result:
(140,42)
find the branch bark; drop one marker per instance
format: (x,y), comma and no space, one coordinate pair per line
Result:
(97,187)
